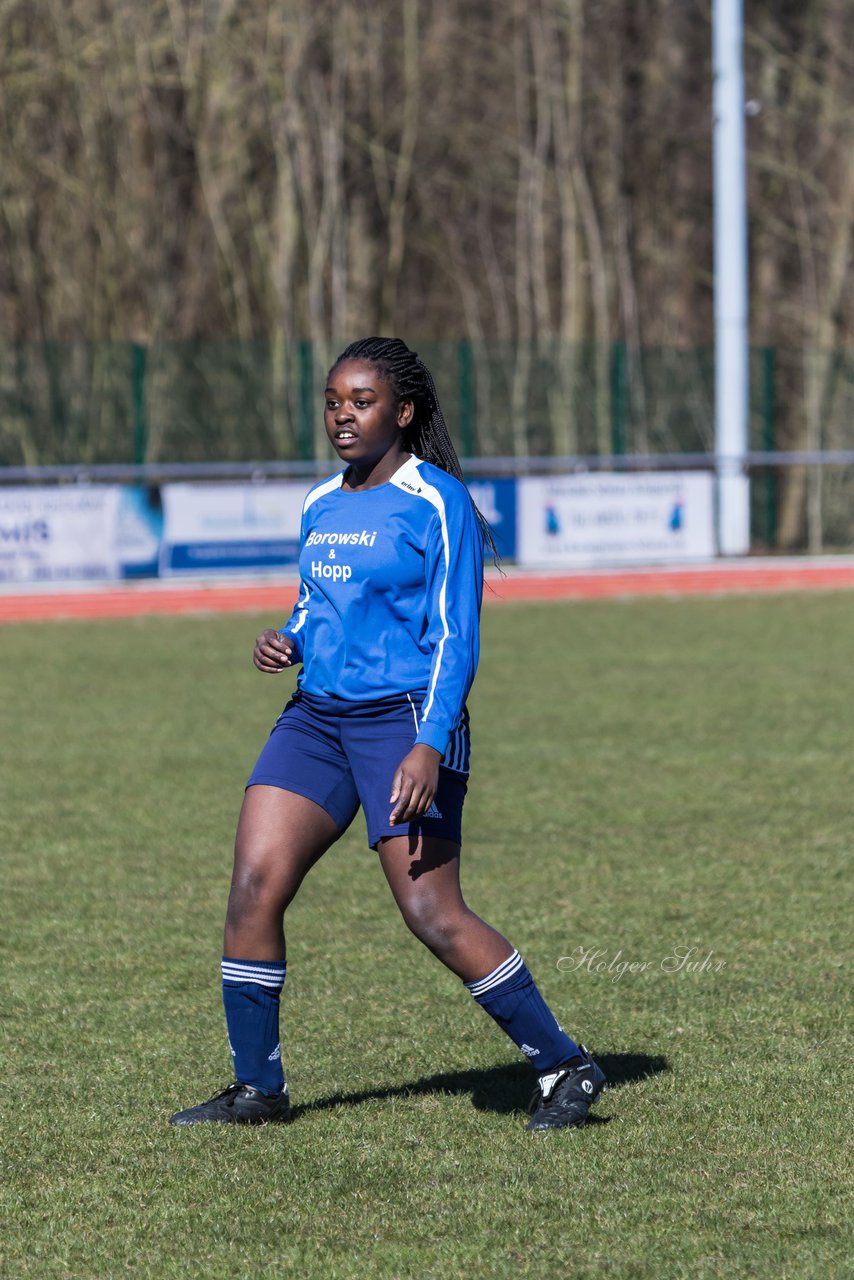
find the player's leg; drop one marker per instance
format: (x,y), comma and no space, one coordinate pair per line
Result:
(421,861)
(299,799)
(424,877)
(423,874)
(280,836)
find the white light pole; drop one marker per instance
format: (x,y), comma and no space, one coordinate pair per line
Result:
(731,339)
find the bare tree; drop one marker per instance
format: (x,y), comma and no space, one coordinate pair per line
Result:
(279,176)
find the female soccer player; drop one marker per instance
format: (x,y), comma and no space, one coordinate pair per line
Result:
(387,630)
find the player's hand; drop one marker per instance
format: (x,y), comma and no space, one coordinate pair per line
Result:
(415,783)
(273,651)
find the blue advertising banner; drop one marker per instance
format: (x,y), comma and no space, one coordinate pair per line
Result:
(496,501)
(139,532)
(230,527)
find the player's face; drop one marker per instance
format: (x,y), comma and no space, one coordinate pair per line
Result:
(363,418)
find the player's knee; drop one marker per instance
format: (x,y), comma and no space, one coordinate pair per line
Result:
(432,922)
(254,889)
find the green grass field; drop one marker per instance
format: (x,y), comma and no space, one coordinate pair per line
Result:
(648,777)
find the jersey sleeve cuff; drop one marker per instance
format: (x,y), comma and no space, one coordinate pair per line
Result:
(295,641)
(433,735)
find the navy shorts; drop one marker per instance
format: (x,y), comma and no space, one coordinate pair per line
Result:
(345,754)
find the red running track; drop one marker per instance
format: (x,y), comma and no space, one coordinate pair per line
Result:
(133,600)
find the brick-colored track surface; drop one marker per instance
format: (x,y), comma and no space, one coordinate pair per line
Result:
(134,599)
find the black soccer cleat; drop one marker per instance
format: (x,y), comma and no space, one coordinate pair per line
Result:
(568,1095)
(238,1104)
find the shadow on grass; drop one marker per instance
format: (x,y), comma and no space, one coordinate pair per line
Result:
(504,1089)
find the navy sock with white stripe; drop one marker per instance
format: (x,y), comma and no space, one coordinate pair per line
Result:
(250,994)
(510,996)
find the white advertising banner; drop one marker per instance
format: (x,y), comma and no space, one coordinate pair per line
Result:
(216,527)
(583,521)
(60,533)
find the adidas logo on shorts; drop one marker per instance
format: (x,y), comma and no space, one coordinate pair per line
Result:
(432,812)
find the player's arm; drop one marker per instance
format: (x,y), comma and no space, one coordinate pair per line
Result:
(454,589)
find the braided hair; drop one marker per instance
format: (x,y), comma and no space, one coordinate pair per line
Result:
(427,435)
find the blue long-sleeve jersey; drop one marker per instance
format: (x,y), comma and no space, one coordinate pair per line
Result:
(390,592)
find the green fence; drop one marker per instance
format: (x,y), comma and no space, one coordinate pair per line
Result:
(87,403)
(230,401)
